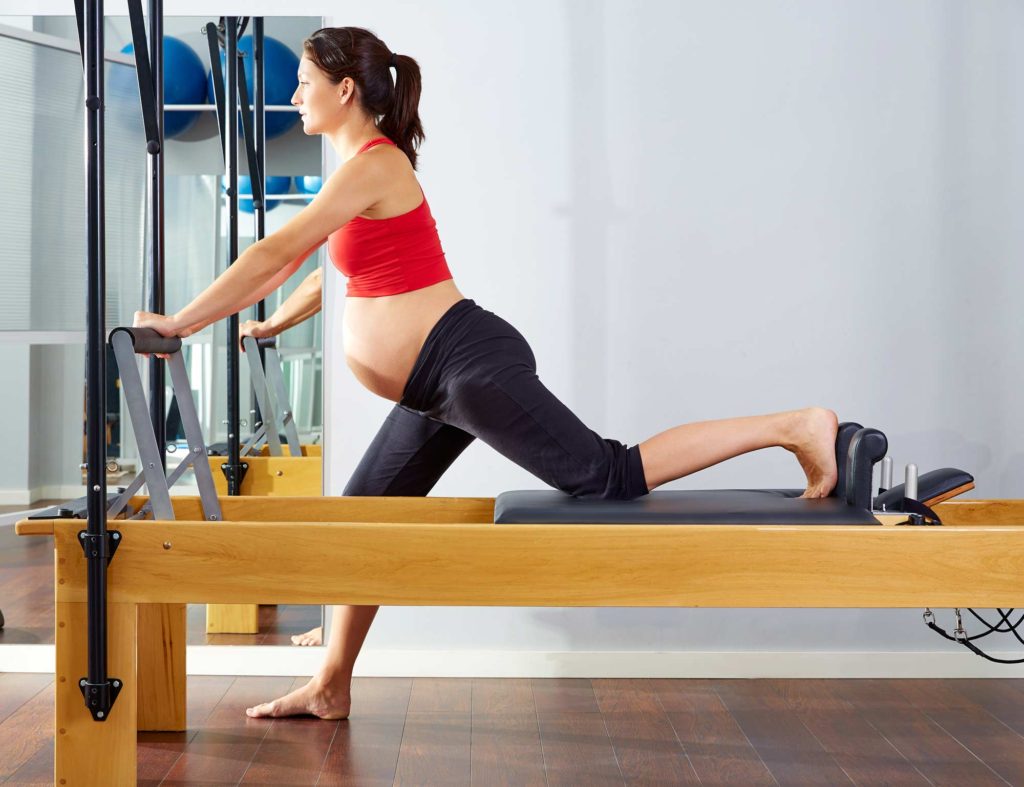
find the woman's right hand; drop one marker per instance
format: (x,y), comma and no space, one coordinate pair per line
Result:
(255,329)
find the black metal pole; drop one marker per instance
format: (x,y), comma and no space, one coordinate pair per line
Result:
(231,158)
(157,387)
(96,687)
(260,111)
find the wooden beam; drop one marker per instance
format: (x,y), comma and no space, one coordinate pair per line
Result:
(437,510)
(308,449)
(34,527)
(92,752)
(232,619)
(559,565)
(266,476)
(965,513)
(161,667)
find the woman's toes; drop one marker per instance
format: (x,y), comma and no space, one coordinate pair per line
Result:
(311,637)
(266,709)
(309,700)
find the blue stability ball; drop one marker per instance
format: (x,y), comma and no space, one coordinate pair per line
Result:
(276,184)
(184,83)
(280,66)
(309,184)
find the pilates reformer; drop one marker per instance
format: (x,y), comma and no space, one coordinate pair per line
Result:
(120,592)
(721,548)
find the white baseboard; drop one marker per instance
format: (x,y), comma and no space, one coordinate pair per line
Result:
(15,497)
(294,662)
(26,497)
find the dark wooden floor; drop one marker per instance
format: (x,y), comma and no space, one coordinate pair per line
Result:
(568,732)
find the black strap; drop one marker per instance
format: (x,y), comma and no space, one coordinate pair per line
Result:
(80,16)
(147,91)
(213,42)
(255,175)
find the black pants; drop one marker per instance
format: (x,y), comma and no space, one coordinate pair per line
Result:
(476,377)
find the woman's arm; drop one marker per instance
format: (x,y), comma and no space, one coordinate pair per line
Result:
(299,306)
(278,279)
(358,184)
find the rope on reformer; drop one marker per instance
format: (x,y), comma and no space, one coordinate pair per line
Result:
(960,633)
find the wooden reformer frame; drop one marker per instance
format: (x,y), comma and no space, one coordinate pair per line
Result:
(448,552)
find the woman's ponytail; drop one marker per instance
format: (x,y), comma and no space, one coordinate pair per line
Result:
(401,123)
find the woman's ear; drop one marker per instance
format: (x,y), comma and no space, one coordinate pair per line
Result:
(346,89)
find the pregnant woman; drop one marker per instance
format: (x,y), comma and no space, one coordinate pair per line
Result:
(455,371)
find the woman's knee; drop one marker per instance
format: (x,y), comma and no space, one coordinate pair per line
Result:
(617,474)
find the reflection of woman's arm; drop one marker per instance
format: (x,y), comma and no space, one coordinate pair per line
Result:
(276,281)
(298,307)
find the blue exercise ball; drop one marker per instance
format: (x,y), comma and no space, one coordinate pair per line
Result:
(276,184)
(309,184)
(280,66)
(184,83)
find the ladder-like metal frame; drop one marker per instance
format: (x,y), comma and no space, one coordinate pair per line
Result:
(272,398)
(150,453)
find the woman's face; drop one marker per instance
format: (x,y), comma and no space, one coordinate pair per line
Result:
(322,105)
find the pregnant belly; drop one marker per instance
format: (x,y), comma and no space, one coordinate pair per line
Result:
(383,336)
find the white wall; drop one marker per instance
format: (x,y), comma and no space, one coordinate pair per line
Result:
(699,210)
(14,398)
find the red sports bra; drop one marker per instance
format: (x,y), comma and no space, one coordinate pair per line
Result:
(389,256)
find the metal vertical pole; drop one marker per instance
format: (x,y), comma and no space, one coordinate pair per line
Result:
(231,159)
(260,143)
(157,404)
(259,109)
(96,686)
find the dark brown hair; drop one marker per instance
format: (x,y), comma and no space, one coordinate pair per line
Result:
(357,53)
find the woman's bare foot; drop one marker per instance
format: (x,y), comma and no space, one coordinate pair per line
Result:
(813,440)
(316,698)
(311,637)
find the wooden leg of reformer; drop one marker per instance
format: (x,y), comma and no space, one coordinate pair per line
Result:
(232,619)
(88,752)
(161,667)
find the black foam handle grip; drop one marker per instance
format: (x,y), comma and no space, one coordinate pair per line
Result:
(867,448)
(847,430)
(147,340)
(267,342)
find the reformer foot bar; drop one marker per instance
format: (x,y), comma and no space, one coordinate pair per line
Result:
(741,548)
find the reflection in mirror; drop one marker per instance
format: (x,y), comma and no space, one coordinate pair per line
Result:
(42,280)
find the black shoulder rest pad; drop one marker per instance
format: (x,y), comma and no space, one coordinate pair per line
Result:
(713,507)
(146,340)
(934,485)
